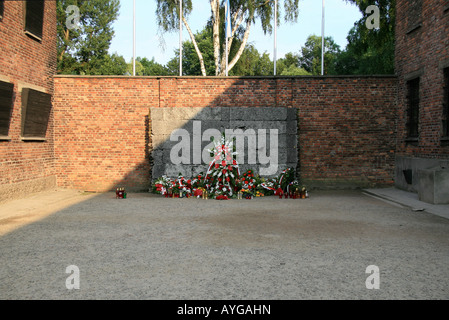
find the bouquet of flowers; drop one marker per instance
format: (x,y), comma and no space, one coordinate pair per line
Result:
(285,179)
(248,182)
(197,182)
(223,170)
(181,186)
(161,185)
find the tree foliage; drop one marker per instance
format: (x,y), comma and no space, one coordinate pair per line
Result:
(370,51)
(244,13)
(310,57)
(152,68)
(84,50)
(251,62)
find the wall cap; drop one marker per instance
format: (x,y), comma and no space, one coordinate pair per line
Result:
(230,77)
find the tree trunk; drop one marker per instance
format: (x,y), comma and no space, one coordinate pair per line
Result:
(215,6)
(239,52)
(198,52)
(242,46)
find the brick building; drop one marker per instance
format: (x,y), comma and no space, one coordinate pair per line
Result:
(27,67)
(422,68)
(94,133)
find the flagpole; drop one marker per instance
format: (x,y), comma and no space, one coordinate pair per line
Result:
(275,34)
(227,27)
(322,42)
(134,38)
(226,55)
(180,38)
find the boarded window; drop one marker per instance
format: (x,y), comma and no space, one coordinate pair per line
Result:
(413,108)
(6,95)
(414,15)
(446,104)
(36,107)
(2,6)
(34,17)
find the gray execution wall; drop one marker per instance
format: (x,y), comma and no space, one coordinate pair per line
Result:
(265,138)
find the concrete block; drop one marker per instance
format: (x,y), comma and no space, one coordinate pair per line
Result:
(159,139)
(292,127)
(158,170)
(206,114)
(158,156)
(173,170)
(281,126)
(157,113)
(271,114)
(434,185)
(225,114)
(292,114)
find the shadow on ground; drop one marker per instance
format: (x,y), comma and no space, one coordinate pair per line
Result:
(150,247)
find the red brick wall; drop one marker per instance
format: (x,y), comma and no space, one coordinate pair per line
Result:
(101,131)
(424,50)
(346,130)
(346,124)
(26,63)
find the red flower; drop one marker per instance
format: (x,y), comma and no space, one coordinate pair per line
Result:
(234,162)
(224,171)
(223,163)
(228,179)
(229,168)
(246,182)
(217,166)
(249,187)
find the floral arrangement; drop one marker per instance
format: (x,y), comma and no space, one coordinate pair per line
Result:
(248,182)
(223,180)
(223,170)
(161,185)
(248,185)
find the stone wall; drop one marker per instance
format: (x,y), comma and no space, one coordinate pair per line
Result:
(265,138)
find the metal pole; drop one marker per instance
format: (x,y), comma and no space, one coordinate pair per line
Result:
(322,42)
(226,55)
(134,38)
(180,38)
(275,34)
(227,26)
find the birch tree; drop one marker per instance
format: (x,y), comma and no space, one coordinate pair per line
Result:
(244,14)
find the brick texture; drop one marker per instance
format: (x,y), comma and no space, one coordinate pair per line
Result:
(26,62)
(423,49)
(103,129)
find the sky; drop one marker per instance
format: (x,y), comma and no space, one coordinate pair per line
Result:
(339,19)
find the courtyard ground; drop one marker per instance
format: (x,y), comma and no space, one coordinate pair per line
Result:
(149,247)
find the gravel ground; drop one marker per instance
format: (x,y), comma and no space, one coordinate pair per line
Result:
(149,247)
